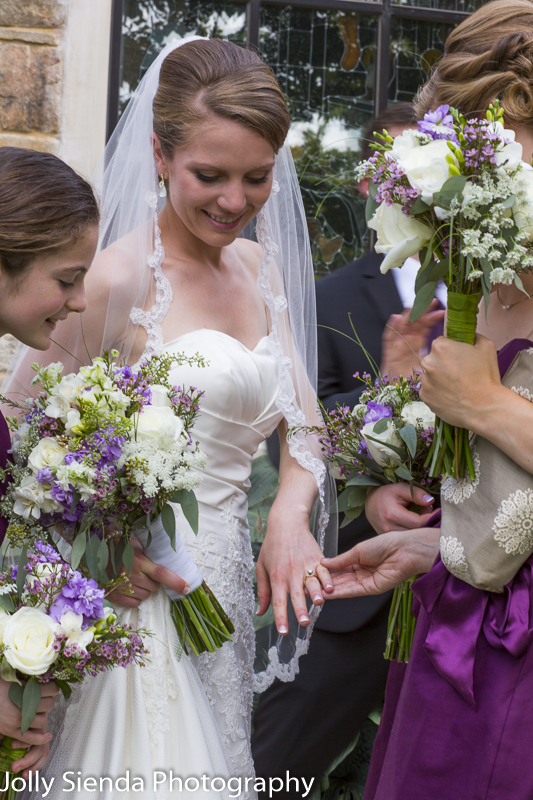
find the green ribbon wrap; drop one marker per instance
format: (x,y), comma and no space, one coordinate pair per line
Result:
(461,316)
(8,756)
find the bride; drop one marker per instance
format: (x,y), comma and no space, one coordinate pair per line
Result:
(197,157)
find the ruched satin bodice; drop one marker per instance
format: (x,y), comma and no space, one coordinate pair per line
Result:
(238,409)
(237,412)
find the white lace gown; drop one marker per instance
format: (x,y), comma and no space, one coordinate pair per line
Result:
(190,717)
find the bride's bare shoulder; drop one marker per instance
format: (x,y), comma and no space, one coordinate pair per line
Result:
(249,252)
(116,268)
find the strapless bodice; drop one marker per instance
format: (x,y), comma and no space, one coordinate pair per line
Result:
(238,409)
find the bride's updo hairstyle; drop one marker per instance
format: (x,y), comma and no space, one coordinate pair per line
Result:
(488,55)
(213,77)
(44,207)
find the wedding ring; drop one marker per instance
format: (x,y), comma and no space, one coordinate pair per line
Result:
(310,574)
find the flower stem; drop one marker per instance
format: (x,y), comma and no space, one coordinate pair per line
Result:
(201,622)
(7,758)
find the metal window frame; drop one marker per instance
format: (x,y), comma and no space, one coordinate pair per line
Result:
(385,11)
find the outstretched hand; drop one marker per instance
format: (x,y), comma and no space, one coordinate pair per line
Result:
(379,564)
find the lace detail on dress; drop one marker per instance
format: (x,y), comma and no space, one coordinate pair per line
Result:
(151,320)
(513,526)
(227,675)
(457,491)
(523,392)
(452,554)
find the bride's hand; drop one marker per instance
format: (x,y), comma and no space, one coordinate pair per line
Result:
(145,577)
(288,552)
(379,564)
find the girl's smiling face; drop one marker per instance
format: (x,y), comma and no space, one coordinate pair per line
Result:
(46,292)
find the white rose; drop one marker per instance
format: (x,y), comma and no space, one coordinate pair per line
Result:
(4,616)
(32,498)
(402,144)
(160,396)
(152,421)
(48,453)
(399,236)
(426,167)
(379,451)
(29,641)
(411,413)
(71,625)
(523,208)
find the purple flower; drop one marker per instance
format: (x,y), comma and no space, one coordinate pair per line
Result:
(45,475)
(377,411)
(47,553)
(82,596)
(439,124)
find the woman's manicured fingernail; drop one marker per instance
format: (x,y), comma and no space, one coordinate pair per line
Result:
(317,598)
(186,589)
(282,629)
(428,498)
(329,586)
(303,618)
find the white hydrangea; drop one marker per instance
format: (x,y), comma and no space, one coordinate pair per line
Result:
(164,462)
(389,396)
(359,411)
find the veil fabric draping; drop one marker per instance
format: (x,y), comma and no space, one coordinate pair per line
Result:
(127,183)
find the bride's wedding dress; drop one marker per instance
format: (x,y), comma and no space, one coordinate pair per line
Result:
(189,717)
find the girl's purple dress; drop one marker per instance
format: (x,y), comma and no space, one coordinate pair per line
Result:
(5,444)
(458,718)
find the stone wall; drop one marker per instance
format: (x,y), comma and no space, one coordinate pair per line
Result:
(31,72)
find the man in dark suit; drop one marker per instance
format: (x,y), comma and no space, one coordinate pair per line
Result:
(301,727)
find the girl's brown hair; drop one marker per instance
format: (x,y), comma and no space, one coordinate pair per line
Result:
(44,206)
(488,55)
(216,77)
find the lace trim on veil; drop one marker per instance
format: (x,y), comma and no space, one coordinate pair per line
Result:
(151,320)
(297,448)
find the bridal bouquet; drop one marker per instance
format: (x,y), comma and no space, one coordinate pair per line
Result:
(99,456)
(457,192)
(54,626)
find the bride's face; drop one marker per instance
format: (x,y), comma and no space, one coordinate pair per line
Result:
(219,180)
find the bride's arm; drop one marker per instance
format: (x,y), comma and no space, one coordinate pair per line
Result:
(289,548)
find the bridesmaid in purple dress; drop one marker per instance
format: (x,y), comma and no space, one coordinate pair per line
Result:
(48,236)
(458,719)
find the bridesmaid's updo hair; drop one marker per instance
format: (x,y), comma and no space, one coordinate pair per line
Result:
(215,77)
(488,55)
(44,207)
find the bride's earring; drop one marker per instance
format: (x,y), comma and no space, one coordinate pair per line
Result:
(162,187)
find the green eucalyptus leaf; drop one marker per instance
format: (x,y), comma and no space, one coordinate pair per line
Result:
(78,549)
(189,506)
(21,572)
(8,674)
(399,450)
(363,480)
(403,473)
(372,189)
(418,207)
(168,518)
(31,698)
(6,602)
(351,514)
(65,688)
(509,201)
(381,425)
(91,556)
(424,298)
(16,692)
(408,434)
(127,557)
(370,208)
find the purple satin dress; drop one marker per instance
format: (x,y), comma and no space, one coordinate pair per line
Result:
(5,444)
(458,718)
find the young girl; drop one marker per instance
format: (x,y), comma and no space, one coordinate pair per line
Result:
(48,235)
